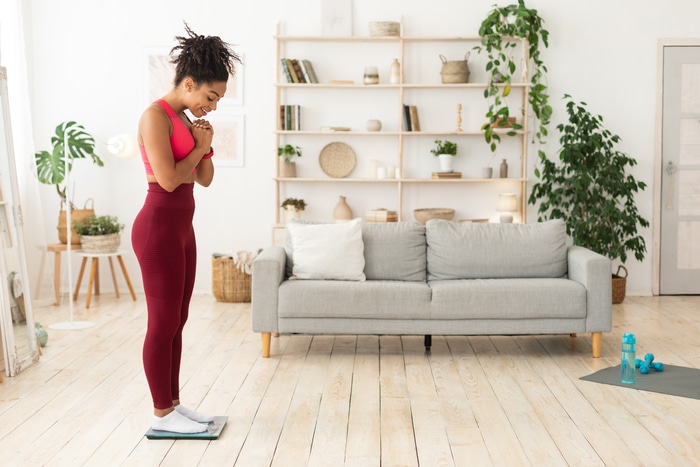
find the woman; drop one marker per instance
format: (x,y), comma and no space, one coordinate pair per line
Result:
(176,153)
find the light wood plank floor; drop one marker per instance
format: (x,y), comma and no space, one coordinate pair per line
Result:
(352,400)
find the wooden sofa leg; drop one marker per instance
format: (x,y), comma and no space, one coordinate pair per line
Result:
(428,341)
(596,343)
(265,344)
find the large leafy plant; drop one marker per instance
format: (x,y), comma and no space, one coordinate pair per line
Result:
(71,141)
(590,189)
(501,32)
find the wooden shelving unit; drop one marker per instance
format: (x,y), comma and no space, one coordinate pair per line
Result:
(410,147)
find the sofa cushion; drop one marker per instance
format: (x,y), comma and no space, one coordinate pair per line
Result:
(394,251)
(328,251)
(320,300)
(484,299)
(483,251)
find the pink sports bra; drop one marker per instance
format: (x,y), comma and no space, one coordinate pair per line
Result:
(181,140)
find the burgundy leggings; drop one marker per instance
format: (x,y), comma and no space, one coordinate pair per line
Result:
(163,240)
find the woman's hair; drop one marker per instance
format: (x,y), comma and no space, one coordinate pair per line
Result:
(205,59)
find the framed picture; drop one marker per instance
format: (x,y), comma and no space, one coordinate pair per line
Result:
(160,73)
(229,135)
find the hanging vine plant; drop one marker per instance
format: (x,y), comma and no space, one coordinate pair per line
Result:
(500,33)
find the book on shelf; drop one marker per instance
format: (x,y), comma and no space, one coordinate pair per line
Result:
(341,81)
(406,118)
(297,71)
(413,113)
(381,215)
(292,73)
(447,174)
(335,128)
(285,70)
(290,117)
(308,68)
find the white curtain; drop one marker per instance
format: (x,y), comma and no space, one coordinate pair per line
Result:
(13,57)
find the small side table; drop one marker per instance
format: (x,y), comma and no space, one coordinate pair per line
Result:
(57,249)
(94,280)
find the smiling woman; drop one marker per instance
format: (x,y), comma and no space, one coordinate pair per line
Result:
(176,153)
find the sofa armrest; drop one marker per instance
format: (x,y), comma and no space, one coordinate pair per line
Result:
(268,274)
(594,272)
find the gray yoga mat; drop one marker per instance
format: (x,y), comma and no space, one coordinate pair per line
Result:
(674,380)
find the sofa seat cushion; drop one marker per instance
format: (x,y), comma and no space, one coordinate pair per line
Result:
(350,299)
(507,299)
(394,251)
(492,251)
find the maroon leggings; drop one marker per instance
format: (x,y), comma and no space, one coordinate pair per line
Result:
(163,240)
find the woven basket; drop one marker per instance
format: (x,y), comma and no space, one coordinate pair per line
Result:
(229,284)
(619,284)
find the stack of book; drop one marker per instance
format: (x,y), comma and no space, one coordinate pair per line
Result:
(290,117)
(298,71)
(381,215)
(410,118)
(447,174)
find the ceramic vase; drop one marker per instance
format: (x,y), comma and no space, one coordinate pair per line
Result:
(342,212)
(290,212)
(288,170)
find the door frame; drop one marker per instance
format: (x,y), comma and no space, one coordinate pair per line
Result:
(658,153)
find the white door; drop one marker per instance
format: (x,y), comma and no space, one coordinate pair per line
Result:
(680,181)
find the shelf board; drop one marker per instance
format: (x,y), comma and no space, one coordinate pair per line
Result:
(397,86)
(392,133)
(337,39)
(398,180)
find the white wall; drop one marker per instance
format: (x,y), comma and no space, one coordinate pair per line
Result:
(87,65)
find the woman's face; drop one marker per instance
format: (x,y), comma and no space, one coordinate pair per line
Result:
(203,99)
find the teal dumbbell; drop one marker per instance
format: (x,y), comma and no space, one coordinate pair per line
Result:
(648,363)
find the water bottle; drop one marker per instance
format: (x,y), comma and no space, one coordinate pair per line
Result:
(627,368)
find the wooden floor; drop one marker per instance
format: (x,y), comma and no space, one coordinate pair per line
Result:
(352,400)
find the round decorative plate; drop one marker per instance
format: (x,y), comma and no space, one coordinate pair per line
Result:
(337,160)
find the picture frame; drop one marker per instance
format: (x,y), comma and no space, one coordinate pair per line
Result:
(229,138)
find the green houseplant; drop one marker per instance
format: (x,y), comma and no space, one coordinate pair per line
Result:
(70,142)
(445,151)
(287,167)
(590,189)
(501,32)
(99,234)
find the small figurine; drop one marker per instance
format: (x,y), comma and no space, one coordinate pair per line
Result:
(647,363)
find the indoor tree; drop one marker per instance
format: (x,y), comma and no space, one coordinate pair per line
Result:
(590,189)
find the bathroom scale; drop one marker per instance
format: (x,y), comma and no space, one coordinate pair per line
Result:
(213,432)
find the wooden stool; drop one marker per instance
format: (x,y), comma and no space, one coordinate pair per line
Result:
(95,275)
(56,249)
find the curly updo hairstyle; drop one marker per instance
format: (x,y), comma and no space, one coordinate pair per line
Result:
(206,59)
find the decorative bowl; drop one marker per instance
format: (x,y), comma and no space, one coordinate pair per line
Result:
(424,215)
(384,28)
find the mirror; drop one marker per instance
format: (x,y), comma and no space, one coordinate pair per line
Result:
(19,344)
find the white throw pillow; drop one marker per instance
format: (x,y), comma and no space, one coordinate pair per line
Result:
(328,251)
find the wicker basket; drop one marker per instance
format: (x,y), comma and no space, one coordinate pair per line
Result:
(229,284)
(619,284)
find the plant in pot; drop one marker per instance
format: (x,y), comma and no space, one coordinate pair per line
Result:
(99,234)
(288,168)
(501,32)
(445,151)
(591,191)
(293,208)
(70,142)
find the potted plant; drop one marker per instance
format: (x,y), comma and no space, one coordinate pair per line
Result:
(500,32)
(590,189)
(287,167)
(445,151)
(293,208)
(99,234)
(70,142)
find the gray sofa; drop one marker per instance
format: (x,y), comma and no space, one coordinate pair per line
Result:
(443,278)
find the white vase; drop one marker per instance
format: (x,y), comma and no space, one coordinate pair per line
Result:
(445,162)
(487,172)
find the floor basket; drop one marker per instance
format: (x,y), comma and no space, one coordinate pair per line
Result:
(619,284)
(229,284)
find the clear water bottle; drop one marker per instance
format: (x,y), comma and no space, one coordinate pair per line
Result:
(627,368)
